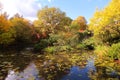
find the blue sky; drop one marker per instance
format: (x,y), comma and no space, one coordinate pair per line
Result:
(73,8)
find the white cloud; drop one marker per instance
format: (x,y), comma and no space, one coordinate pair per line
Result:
(27,8)
(49,0)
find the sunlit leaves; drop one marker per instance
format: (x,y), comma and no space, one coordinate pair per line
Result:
(4,23)
(79,23)
(106,22)
(6,34)
(22,28)
(51,19)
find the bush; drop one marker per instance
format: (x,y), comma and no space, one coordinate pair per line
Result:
(50,49)
(41,45)
(80,46)
(101,51)
(114,51)
(65,48)
(55,49)
(88,44)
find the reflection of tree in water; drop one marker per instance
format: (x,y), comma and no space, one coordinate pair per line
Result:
(29,73)
(55,66)
(13,61)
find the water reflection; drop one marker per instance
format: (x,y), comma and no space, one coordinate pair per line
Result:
(78,73)
(29,73)
(56,67)
(32,73)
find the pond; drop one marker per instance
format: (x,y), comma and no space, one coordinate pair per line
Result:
(62,66)
(32,73)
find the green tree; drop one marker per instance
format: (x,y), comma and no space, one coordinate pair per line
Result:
(23,30)
(51,20)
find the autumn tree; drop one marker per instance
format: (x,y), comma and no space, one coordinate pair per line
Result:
(22,28)
(79,23)
(51,20)
(79,30)
(106,23)
(6,34)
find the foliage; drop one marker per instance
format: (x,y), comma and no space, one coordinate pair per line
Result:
(6,38)
(6,34)
(50,49)
(101,51)
(114,51)
(79,24)
(106,23)
(79,31)
(80,46)
(88,44)
(4,23)
(54,43)
(23,29)
(79,37)
(43,43)
(51,20)
(61,38)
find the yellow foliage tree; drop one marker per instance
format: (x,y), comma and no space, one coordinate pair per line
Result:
(22,27)
(4,22)
(5,30)
(106,22)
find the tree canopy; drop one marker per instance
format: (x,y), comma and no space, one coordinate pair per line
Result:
(22,28)
(80,22)
(106,22)
(5,31)
(51,19)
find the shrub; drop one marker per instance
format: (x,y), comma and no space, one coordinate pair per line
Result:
(65,48)
(101,50)
(80,46)
(88,44)
(50,49)
(52,39)
(114,51)
(41,45)
(55,49)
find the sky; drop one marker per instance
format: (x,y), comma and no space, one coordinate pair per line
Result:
(72,8)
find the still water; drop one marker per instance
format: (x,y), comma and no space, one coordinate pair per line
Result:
(62,66)
(32,73)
